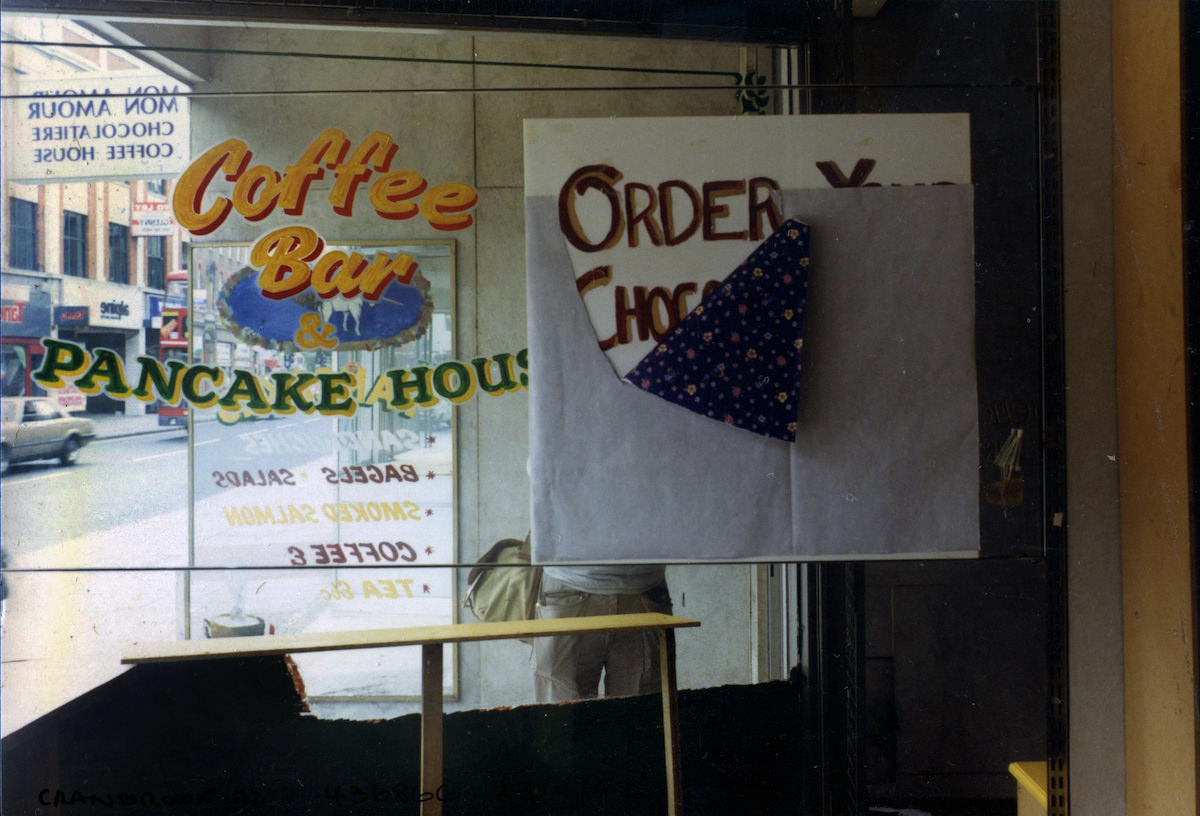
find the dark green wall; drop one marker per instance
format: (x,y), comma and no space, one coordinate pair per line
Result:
(230,737)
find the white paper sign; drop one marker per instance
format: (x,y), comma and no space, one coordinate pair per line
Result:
(152,218)
(91,129)
(884,460)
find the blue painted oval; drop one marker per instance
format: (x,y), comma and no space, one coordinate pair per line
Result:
(400,315)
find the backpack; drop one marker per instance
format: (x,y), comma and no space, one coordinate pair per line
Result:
(503,585)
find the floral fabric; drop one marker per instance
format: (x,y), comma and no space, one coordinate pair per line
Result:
(736,356)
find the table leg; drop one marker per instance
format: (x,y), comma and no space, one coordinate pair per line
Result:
(670,705)
(431,727)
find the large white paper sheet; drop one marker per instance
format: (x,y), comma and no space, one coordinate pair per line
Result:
(886,457)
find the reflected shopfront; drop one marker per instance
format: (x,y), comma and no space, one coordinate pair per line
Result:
(369,216)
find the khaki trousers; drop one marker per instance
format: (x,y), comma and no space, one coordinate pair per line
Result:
(570,667)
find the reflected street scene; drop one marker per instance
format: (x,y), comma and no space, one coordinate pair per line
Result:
(357,508)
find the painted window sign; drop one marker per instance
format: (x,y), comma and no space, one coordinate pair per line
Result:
(399,314)
(294,284)
(395,194)
(321,456)
(312,521)
(323,498)
(328,392)
(295,293)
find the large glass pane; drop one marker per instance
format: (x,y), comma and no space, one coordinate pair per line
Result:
(368,492)
(276,455)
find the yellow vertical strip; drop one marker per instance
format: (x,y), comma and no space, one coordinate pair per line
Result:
(1160,717)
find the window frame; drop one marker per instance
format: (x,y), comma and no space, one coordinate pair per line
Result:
(23,234)
(118,252)
(74,244)
(156,262)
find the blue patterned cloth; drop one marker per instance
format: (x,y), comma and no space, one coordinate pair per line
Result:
(736,356)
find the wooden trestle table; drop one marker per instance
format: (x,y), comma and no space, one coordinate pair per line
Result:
(431,640)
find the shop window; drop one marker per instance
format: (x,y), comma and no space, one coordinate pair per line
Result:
(156,261)
(22,216)
(157,186)
(13,370)
(320,521)
(396,467)
(118,253)
(185,254)
(74,260)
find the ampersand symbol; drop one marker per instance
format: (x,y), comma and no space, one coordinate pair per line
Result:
(315,332)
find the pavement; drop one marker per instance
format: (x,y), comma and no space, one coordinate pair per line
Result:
(112,426)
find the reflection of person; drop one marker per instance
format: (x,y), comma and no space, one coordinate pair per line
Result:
(569,667)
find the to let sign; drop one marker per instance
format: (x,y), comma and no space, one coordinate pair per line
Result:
(151,218)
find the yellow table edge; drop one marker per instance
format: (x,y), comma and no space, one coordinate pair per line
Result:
(266,645)
(1032,777)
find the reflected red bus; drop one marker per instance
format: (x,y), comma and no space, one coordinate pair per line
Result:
(173,339)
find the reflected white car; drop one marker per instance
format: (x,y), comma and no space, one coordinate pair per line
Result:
(37,428)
